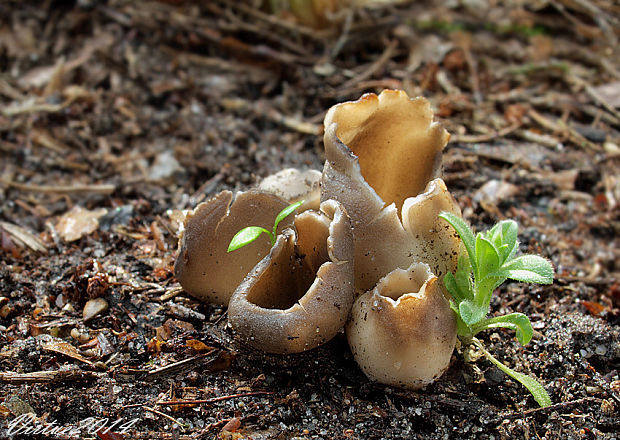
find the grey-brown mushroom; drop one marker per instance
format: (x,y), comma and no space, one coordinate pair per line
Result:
(203,267)
(383,154)
(300,295)
(402,333)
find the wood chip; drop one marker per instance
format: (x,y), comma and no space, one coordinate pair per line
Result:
(23,236)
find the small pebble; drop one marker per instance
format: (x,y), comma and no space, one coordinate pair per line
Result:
(593,390)
(600,350)
(93,308)
(81,337)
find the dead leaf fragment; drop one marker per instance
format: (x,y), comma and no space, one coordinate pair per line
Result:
(198,346)
(494,191)
(103,434)
(593,307)
(232,425)
(57,345)
(78,222)
(17,406)
(610,92)
(22,236)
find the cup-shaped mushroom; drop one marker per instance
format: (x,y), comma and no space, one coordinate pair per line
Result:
(204,267)
(294,185)
(382,152)
(402,333)
(300,295)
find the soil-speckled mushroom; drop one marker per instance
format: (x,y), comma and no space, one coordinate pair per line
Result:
(203,267)
(300,295)
(382,152)
(402,332)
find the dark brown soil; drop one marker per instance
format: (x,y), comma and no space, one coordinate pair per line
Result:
(144,109)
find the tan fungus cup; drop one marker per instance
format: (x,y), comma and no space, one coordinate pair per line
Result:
(299,296)
(402,332)
(382,160)
(204,267)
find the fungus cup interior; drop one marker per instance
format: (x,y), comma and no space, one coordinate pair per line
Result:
(395,139)
(299,296)
(402,284)
(382,154)
(296,259)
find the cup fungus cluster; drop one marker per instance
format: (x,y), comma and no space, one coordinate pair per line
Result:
(368,258)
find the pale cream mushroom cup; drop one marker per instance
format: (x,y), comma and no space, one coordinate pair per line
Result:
(382,160)
(299,296)
(294,185)
(400,332)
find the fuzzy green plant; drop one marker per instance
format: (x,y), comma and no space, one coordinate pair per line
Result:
(251,233)
(489,260)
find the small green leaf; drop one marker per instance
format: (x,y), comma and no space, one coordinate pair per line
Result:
(533,386)
(504,236)
(452,288)
(285,213)
(464,284)
(246,236)
(466,234)
(529,269)
(514,321)
(487,257)
(470,313)
(462,330)
(464,264)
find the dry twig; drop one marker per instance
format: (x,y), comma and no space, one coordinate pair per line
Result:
(60,189)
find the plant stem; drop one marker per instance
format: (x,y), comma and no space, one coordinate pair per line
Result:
(534,387)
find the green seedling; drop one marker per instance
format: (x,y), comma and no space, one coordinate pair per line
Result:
(490,260)
(251,233)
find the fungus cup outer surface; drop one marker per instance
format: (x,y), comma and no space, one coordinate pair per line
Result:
(300,295)
(402,333)
(204,267)
(382,152)
(294,185)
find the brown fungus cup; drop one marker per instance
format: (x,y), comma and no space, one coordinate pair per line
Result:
(383,156)
(300,295)
(294,185)
(204,267)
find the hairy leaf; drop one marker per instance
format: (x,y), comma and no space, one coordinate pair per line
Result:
(471,313)
(450,282)
(487,257)
(527,268)
(504,236)
(463,230)
(514,321)
(464,283)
